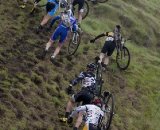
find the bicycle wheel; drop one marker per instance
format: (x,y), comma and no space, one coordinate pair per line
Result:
(74,43)
(108,112)
(85,10)
(98,79)
(123,58)
(102,1)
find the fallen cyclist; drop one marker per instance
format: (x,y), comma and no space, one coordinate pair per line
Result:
(86,94)
(91,114)
(110,44)
(67,23)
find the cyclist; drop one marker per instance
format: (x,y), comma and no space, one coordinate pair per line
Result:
(86,94)
(93,115)
(80,8)
(51,8)
(109,45)
(67,22)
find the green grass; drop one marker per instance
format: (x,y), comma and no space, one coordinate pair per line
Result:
(32,91)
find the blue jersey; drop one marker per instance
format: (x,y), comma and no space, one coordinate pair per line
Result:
(67,21)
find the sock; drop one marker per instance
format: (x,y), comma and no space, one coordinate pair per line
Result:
(67,114)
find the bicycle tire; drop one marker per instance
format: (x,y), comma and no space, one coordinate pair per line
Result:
(102,1)
(86,7)
(120,56)
(107,125)
(72,52)
(98,79)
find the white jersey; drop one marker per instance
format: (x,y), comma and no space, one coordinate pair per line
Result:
(93,113)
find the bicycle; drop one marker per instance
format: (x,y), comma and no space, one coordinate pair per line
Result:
(98,76)
(86,7)
(108,108)
(123,55)
(74,42)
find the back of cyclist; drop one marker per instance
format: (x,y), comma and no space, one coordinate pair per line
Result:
(110,44)
(92,115)
(86,94)
(67,22)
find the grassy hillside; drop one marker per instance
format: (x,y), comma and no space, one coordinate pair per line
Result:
(32,95)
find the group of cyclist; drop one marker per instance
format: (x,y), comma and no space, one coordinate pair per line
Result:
(91,105)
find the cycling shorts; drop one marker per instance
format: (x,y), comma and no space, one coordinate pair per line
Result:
(90,127)
(53,11)
(80,4)
(60,32)
(108,47)
(83,96)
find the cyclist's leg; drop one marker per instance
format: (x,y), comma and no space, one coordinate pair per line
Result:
(48,16)
(53,38)
(103,52)
(79,120)
(63,35)
(110,49)
(80,10)
(70,106)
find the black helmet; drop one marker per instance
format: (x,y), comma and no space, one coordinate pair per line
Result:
(118,27)
(63,4)
(91,66)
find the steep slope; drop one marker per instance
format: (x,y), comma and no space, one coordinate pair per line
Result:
(32,91)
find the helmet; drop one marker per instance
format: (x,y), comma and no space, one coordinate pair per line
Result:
(91,66)
(97,102)
(118,27)
(63,3)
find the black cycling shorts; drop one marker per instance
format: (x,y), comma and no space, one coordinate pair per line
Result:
(83,96)
(108,47)
(93,127)
(80,4)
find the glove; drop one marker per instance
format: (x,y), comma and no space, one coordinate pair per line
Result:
(70,120)
(69,89)
(92,41)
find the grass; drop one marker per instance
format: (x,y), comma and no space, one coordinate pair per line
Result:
(32,92)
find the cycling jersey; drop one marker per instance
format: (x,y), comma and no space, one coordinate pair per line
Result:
(87,78)
(67,22)
(93,114)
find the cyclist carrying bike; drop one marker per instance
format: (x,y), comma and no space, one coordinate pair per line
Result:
(67,22)
(110,44)
(51,8)
(92,113)
(86,94)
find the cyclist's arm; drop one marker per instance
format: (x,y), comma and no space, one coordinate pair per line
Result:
(77,110)
(54,20)
(79,78)
(101,35)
